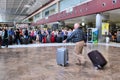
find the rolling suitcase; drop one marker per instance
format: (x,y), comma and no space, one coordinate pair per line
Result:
(30,40)
(62,56)
(25,41)
(97,59)
(10,41)
(118,38)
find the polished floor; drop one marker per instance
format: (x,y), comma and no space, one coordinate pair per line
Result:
(39,63)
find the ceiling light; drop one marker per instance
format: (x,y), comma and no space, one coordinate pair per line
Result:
(83,24)
(27,6)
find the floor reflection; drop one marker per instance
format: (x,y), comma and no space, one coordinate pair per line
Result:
(40,64)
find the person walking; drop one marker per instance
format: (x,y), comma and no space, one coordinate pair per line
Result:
(77,37)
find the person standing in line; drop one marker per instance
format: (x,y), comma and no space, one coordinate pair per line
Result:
(65,35)
(78,37)
(62,34)
(0,37)
(35,34)
(52,38)
(5,37)
(59,37)
(69,32)
(26,34)
(26,41)
(32,34)
(17,36)
(40,35)
(11,36)
(44,37)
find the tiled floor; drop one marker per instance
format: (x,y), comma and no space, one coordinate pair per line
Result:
(39,63)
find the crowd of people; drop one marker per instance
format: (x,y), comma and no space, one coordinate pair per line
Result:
(25,36)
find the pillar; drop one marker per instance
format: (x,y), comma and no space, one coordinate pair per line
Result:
(14,24)
(58,7)
(99,26)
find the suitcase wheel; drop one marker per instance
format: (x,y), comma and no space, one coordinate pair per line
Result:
(99,67)
(96,68)
(62,65)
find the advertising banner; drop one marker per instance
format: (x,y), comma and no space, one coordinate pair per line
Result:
(95,35)
(105,28)
(92,35)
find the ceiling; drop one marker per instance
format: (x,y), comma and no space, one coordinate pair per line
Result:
(112,16)
(15,10)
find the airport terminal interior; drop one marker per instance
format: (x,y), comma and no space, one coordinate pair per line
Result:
(49,39)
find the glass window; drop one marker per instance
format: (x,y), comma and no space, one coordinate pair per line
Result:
(50,11)
(37,16)
(46,13)
(64,4)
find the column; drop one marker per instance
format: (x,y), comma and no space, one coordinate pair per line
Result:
(58,7)
(14,24)
(99,26)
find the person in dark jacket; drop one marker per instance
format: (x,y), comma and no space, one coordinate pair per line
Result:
(17,36)
(5,38)
(78,37)
(26,33)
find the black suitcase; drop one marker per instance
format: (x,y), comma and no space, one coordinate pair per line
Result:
(10,40)
(26,41)
(59,39)
(30,40)
(97,59)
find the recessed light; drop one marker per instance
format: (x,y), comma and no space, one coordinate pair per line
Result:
(83,24)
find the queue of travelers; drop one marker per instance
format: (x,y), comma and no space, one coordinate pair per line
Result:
(25,36)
